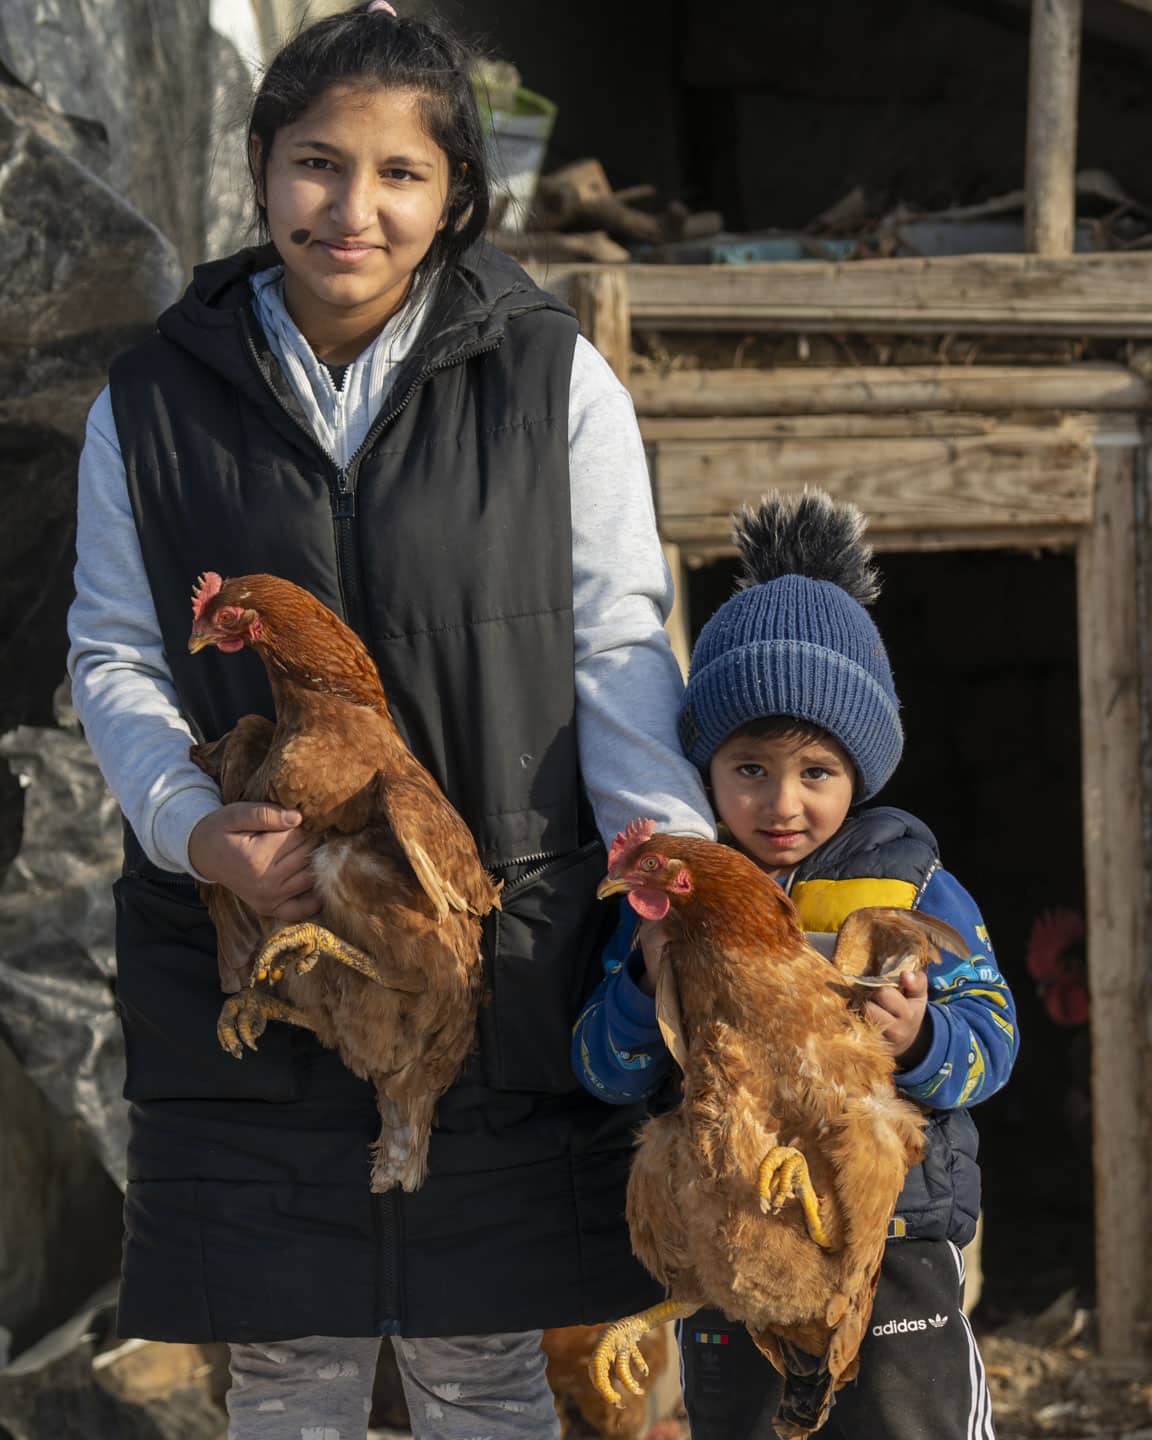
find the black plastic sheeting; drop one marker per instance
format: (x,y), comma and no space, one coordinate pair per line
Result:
(57,967)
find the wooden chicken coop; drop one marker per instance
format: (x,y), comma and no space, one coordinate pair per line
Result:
(1048,453)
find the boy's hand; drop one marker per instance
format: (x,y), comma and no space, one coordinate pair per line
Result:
(652,937)
(901,1016)
(260,854)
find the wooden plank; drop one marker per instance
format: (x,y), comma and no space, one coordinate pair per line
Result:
(677,625)
(601,304)
(1113,572)
(1030,539)
(1053,94)
(876,389)
(829,427)
(1106,294)
(915,484)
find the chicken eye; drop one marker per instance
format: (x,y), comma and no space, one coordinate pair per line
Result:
(650,862)
(229,617)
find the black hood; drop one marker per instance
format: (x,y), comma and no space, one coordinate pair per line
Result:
(214,318)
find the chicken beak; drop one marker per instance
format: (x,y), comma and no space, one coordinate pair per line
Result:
(199,640)
(611,885)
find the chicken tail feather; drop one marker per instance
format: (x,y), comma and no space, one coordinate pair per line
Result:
(809,1391)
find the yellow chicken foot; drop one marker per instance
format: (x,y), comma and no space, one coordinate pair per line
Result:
(784,1176)
(310,941)
(619,1347)
(244,1016)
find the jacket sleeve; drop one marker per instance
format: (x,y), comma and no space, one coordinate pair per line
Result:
(628,685)
(618,1052)
(973,1017)
(121,684)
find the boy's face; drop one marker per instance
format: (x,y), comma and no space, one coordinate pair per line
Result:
(781,796)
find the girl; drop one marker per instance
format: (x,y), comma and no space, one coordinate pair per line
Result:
(383,410)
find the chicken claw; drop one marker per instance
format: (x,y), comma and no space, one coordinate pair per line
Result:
(784,1176)
(619,1348)
(310,942)
(244,1017)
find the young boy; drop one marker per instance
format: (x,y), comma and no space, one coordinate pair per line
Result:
(792,716)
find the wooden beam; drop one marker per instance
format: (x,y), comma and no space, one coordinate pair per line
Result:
(826,427)
(1040,480)
(600,299)
(1053,92)
(875,389)
(677,625)
(1113,573)
(1104,294)
(1028,539)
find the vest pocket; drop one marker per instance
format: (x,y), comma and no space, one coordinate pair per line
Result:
(542,961)
(168,997)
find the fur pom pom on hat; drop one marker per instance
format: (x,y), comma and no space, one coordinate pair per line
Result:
(795,639)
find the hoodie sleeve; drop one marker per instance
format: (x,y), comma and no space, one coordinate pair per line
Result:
(121,686)
(971,1011)
(628,684)
(618,1052)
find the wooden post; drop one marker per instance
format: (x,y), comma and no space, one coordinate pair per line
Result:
(600,299)
(1053,88)
(1112,567)
(677,625)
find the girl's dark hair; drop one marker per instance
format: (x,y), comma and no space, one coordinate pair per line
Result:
(378,50)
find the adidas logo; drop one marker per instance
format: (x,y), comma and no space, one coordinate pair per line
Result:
(910,1327)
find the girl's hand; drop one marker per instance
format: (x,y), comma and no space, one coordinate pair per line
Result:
(901,1016)
(261,855)
(652,937)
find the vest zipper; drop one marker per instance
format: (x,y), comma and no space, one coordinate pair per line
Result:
(388,1301)
(547,856)
(342,493)
(538,869)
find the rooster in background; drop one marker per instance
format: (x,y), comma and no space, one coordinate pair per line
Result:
(389,973)
(1058,964)
(767,1193)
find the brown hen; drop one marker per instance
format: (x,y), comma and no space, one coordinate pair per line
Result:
(389,973)
(768,1192)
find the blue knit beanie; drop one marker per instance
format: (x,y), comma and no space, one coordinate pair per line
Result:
(797,641)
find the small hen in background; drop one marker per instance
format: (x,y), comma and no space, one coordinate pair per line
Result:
(570,1352)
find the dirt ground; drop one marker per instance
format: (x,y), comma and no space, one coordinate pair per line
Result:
(1046,1381)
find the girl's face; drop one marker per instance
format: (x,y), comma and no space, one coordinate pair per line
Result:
(355,192)
(781,797)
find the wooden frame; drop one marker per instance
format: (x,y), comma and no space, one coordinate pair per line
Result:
(1082,295)
(956,457)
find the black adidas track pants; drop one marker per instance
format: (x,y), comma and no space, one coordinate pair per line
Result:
(921,1377)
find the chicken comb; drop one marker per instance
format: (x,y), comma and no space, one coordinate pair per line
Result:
(1053,933)
(207,587)
(627,840)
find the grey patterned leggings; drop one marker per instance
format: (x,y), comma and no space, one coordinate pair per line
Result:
(465,1387)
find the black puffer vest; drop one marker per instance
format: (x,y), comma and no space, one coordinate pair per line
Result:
(447,544)
(886,857)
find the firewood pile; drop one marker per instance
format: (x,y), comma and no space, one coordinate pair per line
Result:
(577,215)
